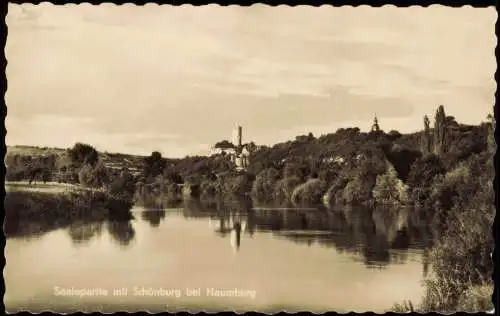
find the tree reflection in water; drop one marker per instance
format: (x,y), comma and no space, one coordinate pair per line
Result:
(32,215)
(226,218)
(121,231)
(153,216)
(379,235)
(82,232)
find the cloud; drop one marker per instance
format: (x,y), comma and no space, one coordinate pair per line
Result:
(193,71)
(65,131)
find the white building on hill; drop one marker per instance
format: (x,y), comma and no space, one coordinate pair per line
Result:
(241,153)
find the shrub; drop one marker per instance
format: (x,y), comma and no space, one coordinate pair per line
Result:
(83,154)
(461,257)
(446,188)
(421,175)
(476,299)
(389,189)
(359,189)
(93,176)
(310,192)
(263,186)
(86,175)
(154,164)
(238,184)
(284,188)
(123,186)
(210,188)
(334,195)
(298,170)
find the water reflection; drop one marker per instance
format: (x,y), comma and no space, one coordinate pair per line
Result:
(378,236)
(153,216)
(31,215)
(82,232)
(281,253)
(226,218)
(121,232)
(375,237)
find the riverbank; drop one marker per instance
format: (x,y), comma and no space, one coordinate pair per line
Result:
(461,256)
(48,187)
(35,209)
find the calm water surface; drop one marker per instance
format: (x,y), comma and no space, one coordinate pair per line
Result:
(277,259)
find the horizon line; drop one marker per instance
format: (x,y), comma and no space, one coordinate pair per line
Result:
(209,149)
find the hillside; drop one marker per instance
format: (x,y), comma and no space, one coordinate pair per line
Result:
(113,161)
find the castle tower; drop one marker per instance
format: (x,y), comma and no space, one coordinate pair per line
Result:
(237,136)
(240,133)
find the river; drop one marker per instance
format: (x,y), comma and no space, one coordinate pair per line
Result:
(222,257)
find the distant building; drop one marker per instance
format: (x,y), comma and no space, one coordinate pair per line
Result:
(237,152)
(375,126)
(240,155)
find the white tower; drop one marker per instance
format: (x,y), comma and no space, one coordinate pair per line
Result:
(237,136)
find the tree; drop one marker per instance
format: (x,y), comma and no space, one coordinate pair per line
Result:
(439,131)
(154,164)
(393,135)
(264,184)
(123,186)
(96,176)
(284,188)
(86,176)
(83,154)
(300,170)
(172,176)
(389,189)
(421,176)
(309,193)
(224,145)
(427,139)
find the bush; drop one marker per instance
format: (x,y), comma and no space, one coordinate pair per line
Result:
(309,193)
(239,184)
(461,256)
(298,170)
(95,177)
(210,188)
(124,186)
(421,175)
(83,154)
(359,189)
(86,175)
(284,188)
(389,189)
(476,299)
(154,165)
(334,195)
(264,184)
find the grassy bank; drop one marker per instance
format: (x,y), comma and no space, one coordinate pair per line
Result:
(31,212)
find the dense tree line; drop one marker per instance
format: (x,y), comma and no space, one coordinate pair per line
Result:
(80,164)
(353,167)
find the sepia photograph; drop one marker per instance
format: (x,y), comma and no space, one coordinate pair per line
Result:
(229,158)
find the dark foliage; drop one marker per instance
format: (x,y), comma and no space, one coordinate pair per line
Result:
(154,165)
(83,154)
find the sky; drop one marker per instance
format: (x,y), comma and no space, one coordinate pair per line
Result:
(135,79)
